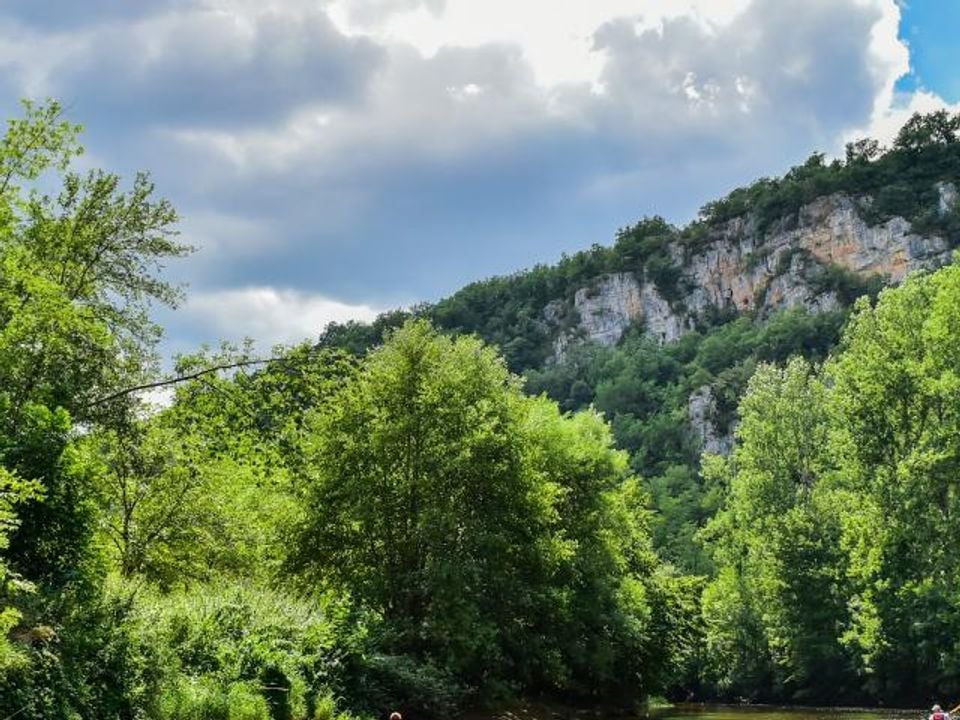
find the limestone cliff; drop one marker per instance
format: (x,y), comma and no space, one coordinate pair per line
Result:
(736,267)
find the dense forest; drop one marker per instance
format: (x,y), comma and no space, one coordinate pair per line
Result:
(643,387)
(423,514)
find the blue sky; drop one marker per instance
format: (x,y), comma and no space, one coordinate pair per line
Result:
(932,31)
(333,158)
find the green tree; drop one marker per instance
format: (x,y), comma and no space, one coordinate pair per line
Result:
(616,624)
(923,131)
(151,495)
(779,598)
(420,502)
(78,274)
(497,537)
(894,398)
(836,546)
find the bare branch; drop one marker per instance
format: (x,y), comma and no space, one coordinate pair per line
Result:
(180,379)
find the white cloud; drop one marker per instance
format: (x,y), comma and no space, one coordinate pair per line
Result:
(471,80)
(385,149)
(267,314)
(555,36)
(891,61)
(888,119)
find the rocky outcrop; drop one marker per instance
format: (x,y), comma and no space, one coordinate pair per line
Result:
(739,268)
(808,260)
(614,302)
(701,411)
(752,272)
(948,199)
(659,319)
(607,307)
(736,267)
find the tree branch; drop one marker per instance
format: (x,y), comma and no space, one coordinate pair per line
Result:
(180,379)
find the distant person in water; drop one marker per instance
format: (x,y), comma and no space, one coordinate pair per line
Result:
(936,714)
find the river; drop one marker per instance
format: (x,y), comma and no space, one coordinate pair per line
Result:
(712,712)
(766,712)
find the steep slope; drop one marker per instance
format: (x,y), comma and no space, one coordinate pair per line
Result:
(661,330)
(746,271)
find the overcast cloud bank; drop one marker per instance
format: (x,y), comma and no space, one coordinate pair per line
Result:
(335,158)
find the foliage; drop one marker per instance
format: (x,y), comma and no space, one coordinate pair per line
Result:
(901,180)
(777,544)
(92,661)
(77,275)
(496,537)
(836,545)
(13,491)
(150,494)
(894,403)
(204,487)
(388,518)
(238,648)
(643,388)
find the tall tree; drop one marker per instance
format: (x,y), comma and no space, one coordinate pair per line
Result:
(778,599)
(420,502)
(79,271)
(895,396)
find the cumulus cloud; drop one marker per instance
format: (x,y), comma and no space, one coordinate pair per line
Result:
(891,62)
(269,315)
(887,121)
(431,165)
(555,37)
(779,70)
(226,65)
(375,152)
(776,71)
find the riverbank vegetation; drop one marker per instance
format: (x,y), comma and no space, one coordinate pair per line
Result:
(836,544)
(305,537)
(393,519)
(643,388)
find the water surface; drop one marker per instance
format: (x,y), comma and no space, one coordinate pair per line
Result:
(770,712)
(709,712)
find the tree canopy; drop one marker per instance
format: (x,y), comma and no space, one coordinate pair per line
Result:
(392,515)
(836,545)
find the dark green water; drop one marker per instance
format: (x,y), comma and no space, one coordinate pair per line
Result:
(709,712)
(725,712)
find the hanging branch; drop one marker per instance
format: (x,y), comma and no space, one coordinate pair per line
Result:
(180,379)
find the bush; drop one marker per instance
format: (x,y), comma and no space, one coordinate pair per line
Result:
(405,683)
(205,699)
(92,660)
(201,699)
(291,651)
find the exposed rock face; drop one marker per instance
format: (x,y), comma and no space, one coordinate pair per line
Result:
(748,272)
(948,197)
(608,307)
(701,409)
(743,269)
(659,320)
(740,268)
